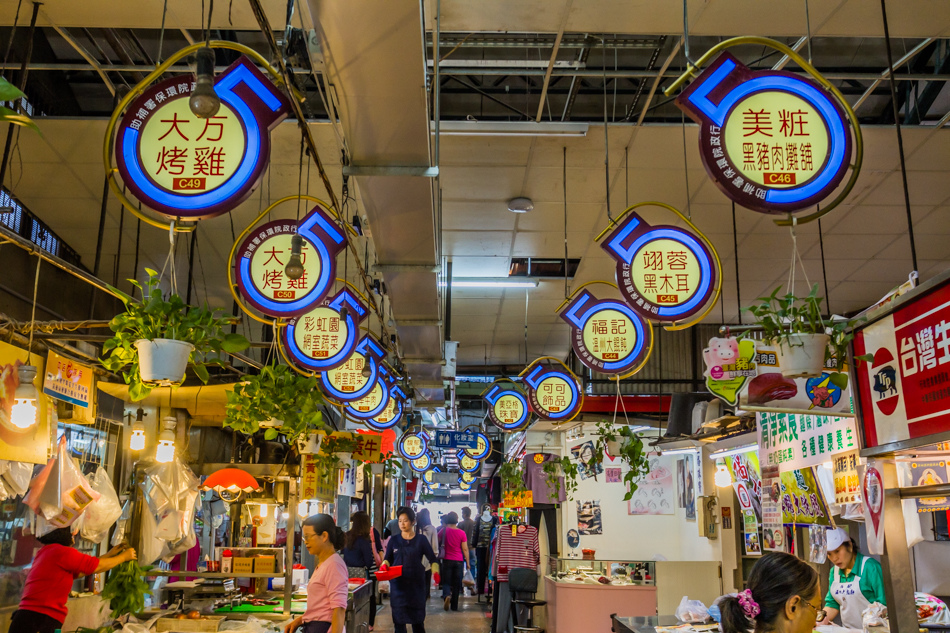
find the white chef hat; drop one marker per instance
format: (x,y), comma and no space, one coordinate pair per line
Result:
(836,538)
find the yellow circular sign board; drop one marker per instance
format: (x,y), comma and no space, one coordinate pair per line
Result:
(508,409)
(321,333)
(348,377)
(665,272)
(610,336)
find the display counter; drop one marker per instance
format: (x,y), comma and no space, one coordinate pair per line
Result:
(583,606)
(646,624)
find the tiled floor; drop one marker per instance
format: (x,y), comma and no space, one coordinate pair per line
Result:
(470,618)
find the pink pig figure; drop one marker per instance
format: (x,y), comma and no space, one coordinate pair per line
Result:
(721,351)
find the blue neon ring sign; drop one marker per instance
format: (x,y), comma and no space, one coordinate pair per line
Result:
(371,354)
(311,323)
(482,454)
(462,455)
(423,441)
(553,404)
(507,399)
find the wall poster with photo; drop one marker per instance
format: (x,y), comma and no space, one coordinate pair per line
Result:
(589,519)
(583,454)
(686,483)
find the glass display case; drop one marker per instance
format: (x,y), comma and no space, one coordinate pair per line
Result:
(617,572)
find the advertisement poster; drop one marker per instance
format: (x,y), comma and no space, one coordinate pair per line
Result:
(67,380)
(589,520)
(655,493)
(346,482)
(872,502)
(930,473)
(16,444)
(773,531)
(828,393)
(583,453)
(730,364)
(802,500)
(689,486)
(750,530)
(793,441)
(847,482)
(313,485)
(613,475)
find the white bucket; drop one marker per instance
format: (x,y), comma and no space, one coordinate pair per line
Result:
(613,447)
(309,444)
(805,357)
(163,360)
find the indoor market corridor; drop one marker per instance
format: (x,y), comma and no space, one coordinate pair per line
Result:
(472,617)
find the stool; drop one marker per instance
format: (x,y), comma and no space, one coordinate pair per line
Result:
(529,604)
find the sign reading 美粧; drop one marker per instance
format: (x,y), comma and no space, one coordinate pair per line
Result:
(793,441)
(507,406)
(554,393)
(664,273)
(187,167)
(260,262)
(322,339)
(607,335)
(772,141)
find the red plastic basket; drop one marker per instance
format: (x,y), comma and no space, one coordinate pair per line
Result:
(389,574)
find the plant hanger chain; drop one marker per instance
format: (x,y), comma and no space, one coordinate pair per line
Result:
(170,259)
(796,257)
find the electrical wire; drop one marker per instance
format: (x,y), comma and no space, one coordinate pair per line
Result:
(606,139)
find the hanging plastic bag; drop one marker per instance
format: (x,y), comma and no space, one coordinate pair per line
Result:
(151,547)
(121,525)
(38,485)
(100,515)
(467,579)
(691,611)
(77,494)
(817,544)
(17,476)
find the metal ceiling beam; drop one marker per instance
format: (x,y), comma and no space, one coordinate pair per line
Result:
(884,74)
(797,46)
(656,82)
(536,41)
(552,61)
(82,52)
(575,85)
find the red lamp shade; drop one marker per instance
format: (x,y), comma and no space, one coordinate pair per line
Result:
(234,480)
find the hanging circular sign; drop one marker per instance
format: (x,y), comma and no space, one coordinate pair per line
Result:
(607,336)
(183,166)
(464,486)
(467,464)
(260,261)
(467,478)
(484,447)
(665,273)
(507,407)
(427,477)
(347,383)
(421,464)
(392,414)
(554,393)
(321,339)
(412,445)
(373,403)
(772,141)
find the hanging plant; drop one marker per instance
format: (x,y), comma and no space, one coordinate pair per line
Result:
(336,451)
(564,467)
(626,445)
(158,329)
(512,477)
(279,393)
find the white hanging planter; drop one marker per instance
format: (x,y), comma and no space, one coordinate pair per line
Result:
(163,361)
(613,447)
(272,423)
(346,458)
(802,355)
(309,444)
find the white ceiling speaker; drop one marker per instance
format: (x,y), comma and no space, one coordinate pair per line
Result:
(520,205)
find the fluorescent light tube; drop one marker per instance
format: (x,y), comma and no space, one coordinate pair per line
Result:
(728,452)
(493,282)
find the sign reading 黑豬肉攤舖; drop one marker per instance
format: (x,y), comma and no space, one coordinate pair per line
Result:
(507,407)
(773,141)
(183,166)
(554,393)
(346,383)
(260,263)
(607,335)
(792,441)
(665,273)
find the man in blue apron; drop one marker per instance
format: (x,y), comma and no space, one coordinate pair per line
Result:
(854,583)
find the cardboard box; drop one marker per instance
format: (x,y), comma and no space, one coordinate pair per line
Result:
(265,564)
(242,565)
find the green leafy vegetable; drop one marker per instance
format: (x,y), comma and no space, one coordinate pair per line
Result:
(125,589)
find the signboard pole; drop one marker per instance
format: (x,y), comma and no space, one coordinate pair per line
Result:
(898,575)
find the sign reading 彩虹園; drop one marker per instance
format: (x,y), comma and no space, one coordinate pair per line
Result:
(322,339)
(665,273)
(607,335)
(346,383)
(772,141)
(260,261)
(507,406)
(183,166)
(554,393)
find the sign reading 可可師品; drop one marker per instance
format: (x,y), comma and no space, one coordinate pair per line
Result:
(183,166)
(792,441)
(607,335)
(772,141)
(904,392)
(260,262)
(553,393)
(664,273)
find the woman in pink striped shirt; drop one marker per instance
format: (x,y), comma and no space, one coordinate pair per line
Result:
(327,591)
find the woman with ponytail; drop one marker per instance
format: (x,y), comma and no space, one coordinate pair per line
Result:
(327,590)
(782,597)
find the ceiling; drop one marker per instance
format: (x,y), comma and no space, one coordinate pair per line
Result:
(59,175)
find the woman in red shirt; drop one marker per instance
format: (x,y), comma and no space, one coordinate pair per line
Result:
(56,566)
(456,553)
(327,591)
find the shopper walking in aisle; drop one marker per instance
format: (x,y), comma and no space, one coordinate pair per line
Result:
(327,590)
(359,551)
(453,565)
(483,533)
(854,583)
(783,597)
(425,527)
(409,548)
(467,525)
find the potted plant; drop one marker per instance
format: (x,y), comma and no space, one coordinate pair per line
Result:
(280,400)
(626,445)
(512,477)
(555,469)
(803,339)
(154,340)
(340,448)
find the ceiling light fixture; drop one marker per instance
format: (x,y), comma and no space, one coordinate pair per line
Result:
(166,441)
(520,205)
(510,128)
(137,439)
(679,451)
(723,478)
(23,414)
(491,282)
(204,101)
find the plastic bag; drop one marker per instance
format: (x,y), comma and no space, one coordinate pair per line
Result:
(60,492)
(817,544)
(151,547)
(930,609)
(100,515)
(383,586)
(119,534)
(875,615)
(691,611)
(467,579)
(16,476)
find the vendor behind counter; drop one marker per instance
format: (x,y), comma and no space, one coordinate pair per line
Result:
(854,583)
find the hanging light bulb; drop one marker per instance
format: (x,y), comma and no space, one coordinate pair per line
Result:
(294,268)
(23,414)
(367,372)
(204,101)
(137,440)
(344,313)
(166,441)
(302,508)
(390,323)
(723,478)
(263,510)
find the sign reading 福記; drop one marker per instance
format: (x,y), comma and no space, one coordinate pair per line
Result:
(793,441)
(187,167)
(773,141)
